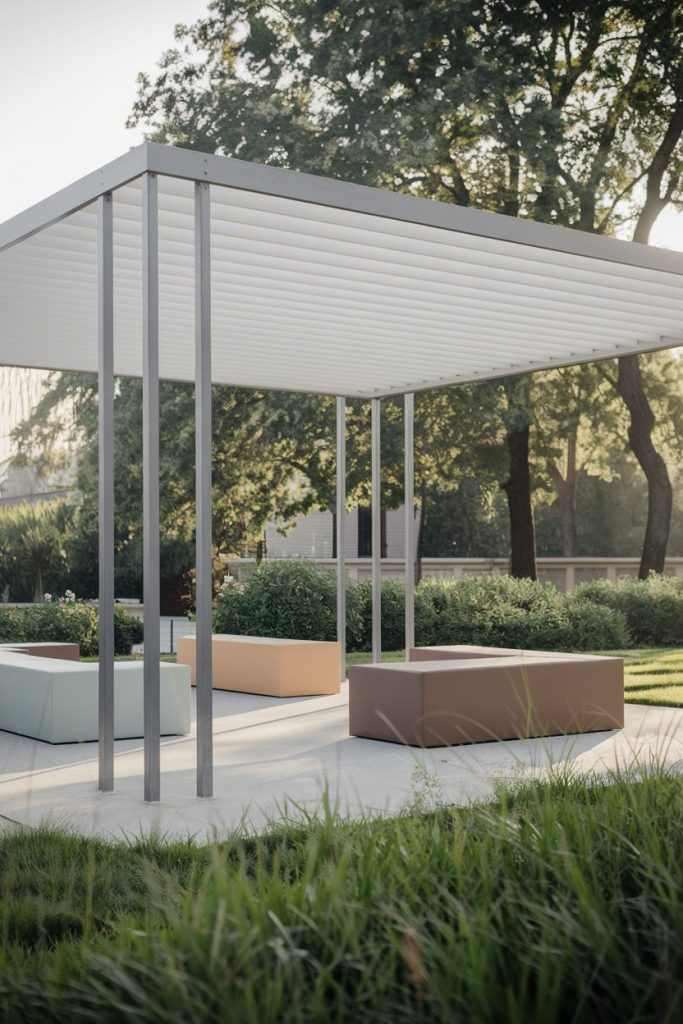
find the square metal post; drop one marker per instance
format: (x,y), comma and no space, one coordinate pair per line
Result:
(105,391)
(409,503)
(340,524)
(376,512)
(203,451)
(150,489)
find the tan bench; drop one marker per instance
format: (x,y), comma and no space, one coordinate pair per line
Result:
(269,666)
(475,697)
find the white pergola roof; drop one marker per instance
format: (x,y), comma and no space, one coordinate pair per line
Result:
(322,286)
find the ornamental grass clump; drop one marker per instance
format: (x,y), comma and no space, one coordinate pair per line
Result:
(560,901)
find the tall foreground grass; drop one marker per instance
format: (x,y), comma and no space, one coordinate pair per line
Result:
(561,902)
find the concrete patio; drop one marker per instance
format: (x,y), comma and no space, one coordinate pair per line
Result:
(269,751)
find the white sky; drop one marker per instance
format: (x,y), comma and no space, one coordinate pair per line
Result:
(67,85)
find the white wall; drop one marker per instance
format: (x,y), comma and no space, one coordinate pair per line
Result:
(311,537)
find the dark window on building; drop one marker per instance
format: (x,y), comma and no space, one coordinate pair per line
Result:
(365,532)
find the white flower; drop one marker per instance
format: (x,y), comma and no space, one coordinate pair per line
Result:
(47,597)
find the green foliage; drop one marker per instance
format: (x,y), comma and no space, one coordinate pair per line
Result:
(359,615)
(653,608)
(560,901)
(505,612)
(296,599)
(128,630)
(67,622)
(290,599)
(32,538)
(485,104)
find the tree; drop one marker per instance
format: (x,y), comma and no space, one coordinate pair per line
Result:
(555,111)
(252,470)
(577,419)
(32,545)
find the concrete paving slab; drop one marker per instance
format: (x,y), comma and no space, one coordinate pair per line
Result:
(273,755)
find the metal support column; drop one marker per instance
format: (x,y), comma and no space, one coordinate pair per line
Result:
(409,502)
(203,450)
(105,389)
(150,476)
(376,513)
(341,517)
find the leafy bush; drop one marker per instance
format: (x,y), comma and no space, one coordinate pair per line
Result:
(359,615)
(128,630)
(297,599)
(504,612)
(67,622)
(291,599)
(653,607)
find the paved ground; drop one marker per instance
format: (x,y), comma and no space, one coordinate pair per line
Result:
(270,751)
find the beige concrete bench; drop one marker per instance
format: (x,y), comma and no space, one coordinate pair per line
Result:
(269,666)
(476,697)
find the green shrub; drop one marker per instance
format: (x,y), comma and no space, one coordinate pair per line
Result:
(291,599)
(503,612)
(67,622)
(128,630)
(297,599)
(359,615)
(653,607)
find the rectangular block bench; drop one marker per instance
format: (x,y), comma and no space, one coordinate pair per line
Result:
(56,700)
(468,651)
(440,702)
(70,652)
(268,666)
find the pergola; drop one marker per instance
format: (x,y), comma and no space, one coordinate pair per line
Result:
(169,263)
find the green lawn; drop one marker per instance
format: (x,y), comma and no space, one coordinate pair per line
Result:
(652,675)
(559,903)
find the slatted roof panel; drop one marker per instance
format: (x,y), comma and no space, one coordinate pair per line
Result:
(326,287)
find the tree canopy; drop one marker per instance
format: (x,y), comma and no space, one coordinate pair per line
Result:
(569,113)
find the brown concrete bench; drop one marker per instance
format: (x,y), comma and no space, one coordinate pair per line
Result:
(473,698)
(468,651)
(66,651)
(269,666)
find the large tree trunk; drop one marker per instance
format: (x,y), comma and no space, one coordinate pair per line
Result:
(629,384)
(565,489)
(517,487)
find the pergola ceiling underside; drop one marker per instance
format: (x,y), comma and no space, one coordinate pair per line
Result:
(313,298)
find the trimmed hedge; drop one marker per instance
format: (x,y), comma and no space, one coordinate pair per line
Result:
(297,599)
(67,622)
(653,608)
(500,611)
